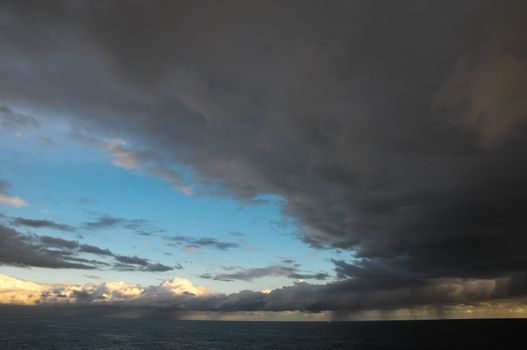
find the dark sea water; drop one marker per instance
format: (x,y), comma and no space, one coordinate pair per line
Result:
(84,333)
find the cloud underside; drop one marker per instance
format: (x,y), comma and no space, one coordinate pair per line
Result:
(395,132)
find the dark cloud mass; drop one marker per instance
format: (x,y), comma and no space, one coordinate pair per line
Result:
(394,130)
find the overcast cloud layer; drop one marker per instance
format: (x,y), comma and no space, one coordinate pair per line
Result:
(395,130)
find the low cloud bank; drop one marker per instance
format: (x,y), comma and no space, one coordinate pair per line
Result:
(178,296)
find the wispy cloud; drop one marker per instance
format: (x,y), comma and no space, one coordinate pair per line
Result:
(12,119)
(30,250)
(20,249)
(12,200)
(201,242)
(122,156)
(36,223)
(45,140)
(126,157)
(132,262)
(139,226)
(249,275)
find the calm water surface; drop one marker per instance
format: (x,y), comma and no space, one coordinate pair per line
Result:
(84,333)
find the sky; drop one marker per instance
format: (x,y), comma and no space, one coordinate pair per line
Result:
(264,160)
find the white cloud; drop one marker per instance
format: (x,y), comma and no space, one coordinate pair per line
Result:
(21,292)
(12,201)
(180,286)
(129,158)
(123,157)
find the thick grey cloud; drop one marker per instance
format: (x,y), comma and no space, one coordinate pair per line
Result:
(36,223)
(202,242)
(394,130)
(20,249)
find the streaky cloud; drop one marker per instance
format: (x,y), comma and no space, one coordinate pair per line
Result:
(31,250)
(38,223)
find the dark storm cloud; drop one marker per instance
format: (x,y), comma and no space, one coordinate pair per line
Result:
(202,242)
(20,249)
(396,130)
(249,275)
(42,224)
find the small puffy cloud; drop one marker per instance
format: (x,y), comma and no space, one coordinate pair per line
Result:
(12,200)
(123,157)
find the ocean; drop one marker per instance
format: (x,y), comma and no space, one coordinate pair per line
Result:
(90,333)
